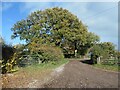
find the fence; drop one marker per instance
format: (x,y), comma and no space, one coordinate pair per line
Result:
(29,60)
(110,62)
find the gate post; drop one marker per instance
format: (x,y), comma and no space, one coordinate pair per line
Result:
(98,60)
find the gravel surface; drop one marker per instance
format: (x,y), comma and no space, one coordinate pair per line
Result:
(76,74)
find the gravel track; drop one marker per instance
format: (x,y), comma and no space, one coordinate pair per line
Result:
(80,75)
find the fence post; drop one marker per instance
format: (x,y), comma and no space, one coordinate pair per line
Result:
(98,60)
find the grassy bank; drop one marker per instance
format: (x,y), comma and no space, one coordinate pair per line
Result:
(107,67)
(44,66)
(25,75)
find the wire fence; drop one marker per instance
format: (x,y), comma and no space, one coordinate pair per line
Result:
(110,62)
(29,60)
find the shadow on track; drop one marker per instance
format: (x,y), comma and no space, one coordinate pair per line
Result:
(90,62)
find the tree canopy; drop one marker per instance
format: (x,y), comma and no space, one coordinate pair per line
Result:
(54,25)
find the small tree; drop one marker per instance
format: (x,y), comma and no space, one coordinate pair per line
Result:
(103,50)
(96,52)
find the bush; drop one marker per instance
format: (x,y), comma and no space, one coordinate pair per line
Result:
(95,53)
(41,53)
(22,56)
(104,50)
(49,53)
(98,51)
(10,58)
(7,53)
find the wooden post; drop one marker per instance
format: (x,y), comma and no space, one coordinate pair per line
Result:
(75,53)
(39,61)
(98,60)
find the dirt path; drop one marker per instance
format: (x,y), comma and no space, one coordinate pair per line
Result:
(79,75)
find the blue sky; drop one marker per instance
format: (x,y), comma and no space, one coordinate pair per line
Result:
(101,18)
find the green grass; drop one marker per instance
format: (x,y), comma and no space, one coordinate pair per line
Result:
(107,67)
(39,70)
(44,66)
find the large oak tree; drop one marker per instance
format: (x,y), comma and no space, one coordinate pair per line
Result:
(53,25)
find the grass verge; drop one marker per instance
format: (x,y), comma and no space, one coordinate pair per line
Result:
(43,66)
(25,75)
(107,67)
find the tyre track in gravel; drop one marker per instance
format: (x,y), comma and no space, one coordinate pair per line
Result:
(79,75)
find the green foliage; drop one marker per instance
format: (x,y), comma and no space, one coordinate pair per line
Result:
(54,25)
(7,53)
(118,55)
(96,52)
(18,54)
(46,53)
(109,47)
(92,39)
(104,50)
(10,57)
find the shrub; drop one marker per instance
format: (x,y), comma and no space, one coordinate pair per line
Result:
(102,51)
(118,55)
(10,57)
(98,51)
(7,53)
(41,53)
(95,53)
(45,53)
